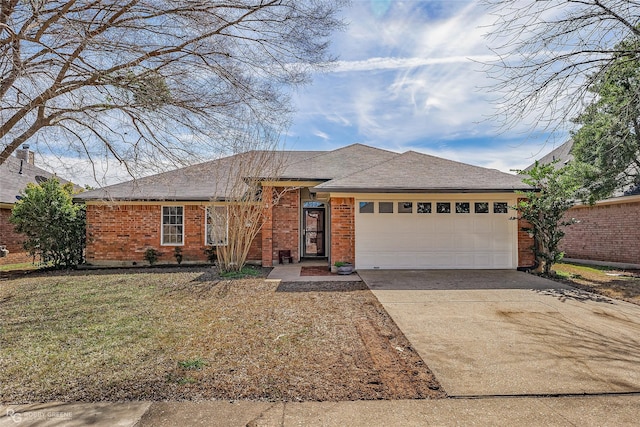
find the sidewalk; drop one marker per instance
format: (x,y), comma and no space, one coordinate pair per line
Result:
(611,410)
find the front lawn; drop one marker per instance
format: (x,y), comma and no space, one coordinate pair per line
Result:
(186,334)
(606,281)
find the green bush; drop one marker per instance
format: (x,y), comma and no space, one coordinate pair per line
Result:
(151,255)
(55,227)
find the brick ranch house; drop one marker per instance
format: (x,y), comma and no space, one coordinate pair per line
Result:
(607,232)
(368,206)
(15,173)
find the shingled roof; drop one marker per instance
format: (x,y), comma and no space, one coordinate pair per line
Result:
(416,172)
(15,174)
(561,154)
(202,182)
(357,168)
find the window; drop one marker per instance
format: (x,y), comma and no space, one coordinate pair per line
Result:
(443,207)
(463,207)
(424,207)
(313,205)
(172,225)
(385,207)
(366,207)
(405,207)
(482,207)
(500,207)
(217,226)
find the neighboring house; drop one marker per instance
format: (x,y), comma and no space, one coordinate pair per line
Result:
(15,173)
(364,205)
(607,232)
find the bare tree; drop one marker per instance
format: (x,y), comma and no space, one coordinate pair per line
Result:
(550,53)
(150,82)
(236,217)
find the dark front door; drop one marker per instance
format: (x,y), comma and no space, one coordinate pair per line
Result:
(313,223)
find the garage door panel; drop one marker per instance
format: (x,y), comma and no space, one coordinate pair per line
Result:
(404,240)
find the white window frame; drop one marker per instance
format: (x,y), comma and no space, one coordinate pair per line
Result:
(206,226)
(162,224)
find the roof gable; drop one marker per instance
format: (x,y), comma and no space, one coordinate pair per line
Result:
(337,163)
(561,154)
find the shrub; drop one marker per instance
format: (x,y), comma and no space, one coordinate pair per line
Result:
(53,225)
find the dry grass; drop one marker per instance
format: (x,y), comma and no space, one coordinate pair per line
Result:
(184,334)
(624,285)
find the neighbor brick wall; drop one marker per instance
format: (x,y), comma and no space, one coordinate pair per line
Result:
(8,236)
(343,230)
(124,232)
(604,233)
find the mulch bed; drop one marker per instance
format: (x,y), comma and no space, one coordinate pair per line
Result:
(316,271)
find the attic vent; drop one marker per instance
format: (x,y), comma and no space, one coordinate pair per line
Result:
(40,179)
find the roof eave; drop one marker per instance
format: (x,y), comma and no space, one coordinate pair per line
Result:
(419,190)
(148,199)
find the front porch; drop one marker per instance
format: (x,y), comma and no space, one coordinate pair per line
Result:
(306,226)
(295,273)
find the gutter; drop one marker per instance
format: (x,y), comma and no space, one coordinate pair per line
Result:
(417,190)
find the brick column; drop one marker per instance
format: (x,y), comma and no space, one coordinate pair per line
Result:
(526,255)
(343,231)
(267,227)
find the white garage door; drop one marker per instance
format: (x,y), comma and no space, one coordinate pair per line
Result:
(439,234)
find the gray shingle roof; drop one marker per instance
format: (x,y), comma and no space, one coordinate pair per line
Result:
(202,182)
(355,167)
(13,179)
(414,171)
(562,154)
(338,163)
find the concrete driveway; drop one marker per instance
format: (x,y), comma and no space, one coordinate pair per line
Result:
(503,332)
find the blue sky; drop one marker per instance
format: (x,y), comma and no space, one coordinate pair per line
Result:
(408,78)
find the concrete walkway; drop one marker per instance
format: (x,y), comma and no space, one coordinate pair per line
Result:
(567,411)
(291,273)
(505,333)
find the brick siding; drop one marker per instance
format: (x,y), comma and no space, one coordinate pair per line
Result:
(526,255)
(281,230)
(604,233)
(343,230)
(122,233)
(8,236)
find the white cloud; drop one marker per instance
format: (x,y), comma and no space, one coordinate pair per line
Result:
(390,63)
(321,134)
(407,76)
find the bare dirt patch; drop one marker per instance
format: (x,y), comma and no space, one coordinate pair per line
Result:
(189,335)
(610,282)
(316,271)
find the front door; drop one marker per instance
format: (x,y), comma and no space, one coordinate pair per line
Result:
(313,223)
